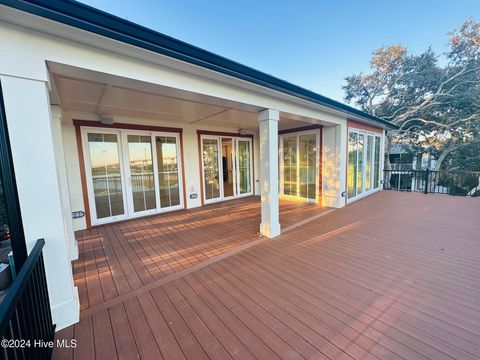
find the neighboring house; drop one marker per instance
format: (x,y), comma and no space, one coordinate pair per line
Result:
(401,158)
(111,121)
(402,162)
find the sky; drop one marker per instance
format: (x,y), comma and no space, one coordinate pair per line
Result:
(314,44)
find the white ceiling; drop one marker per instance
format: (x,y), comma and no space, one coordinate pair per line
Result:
(85,91)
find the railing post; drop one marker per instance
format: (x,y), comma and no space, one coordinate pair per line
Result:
(426,181)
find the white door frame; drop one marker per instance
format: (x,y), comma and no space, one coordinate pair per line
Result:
(88,171)
(237,167)
(366,192)
(127,194)
(128,176)
(236,175)
(317,165)
(179,170)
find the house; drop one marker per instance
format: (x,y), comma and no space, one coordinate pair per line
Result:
(402,158)
(105,120)
(408,170)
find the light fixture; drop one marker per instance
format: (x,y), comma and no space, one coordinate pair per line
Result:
(246,132)
(106,120)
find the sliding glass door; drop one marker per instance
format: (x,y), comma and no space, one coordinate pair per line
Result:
(226,167)
(131,173)
(363,163)
(299,165)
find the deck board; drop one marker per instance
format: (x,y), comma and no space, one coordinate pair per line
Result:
(393,276)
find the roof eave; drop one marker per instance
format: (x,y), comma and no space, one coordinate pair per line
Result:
(90,19)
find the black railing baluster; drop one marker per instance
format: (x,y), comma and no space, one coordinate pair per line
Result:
(25,312)
(429,181)
(46,299)
(38,301)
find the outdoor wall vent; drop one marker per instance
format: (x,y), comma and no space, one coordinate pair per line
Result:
(106,120)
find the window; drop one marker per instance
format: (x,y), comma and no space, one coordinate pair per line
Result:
(363,173)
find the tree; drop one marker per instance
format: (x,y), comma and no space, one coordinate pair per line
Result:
(437,108)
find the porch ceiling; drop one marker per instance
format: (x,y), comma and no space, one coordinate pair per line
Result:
(85,91)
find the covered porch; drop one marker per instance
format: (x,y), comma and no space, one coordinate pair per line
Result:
(134,149)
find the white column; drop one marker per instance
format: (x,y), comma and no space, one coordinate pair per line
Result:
(334,165)
(25,89)
(63,182)
(268,126)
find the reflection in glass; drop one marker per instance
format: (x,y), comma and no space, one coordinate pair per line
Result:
(368,163)
(106,176)
(141,172)
(210,168)
(227,167)
(244,167)
(290,165)
(360,166)
(308,166)
(352,164)
(167,163)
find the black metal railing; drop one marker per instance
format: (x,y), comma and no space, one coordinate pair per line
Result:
(26,327)
(460,183)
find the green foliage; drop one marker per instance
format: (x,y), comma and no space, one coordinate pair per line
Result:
(437,107)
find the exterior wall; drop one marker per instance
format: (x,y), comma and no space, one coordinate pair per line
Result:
(191,163)
(334,156)
(361,126)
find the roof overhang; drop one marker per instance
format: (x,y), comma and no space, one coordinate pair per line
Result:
(92,20)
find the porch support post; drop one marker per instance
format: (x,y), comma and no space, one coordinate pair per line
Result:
(334,165)
(72,245)
(268,124)
(25,85)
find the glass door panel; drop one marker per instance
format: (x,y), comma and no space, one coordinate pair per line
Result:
(360,164)
(211,170)
(228,167)
(368,163)
(376,164)
(352,164)
(167,169)
(290,165)
(307,166)
(106,175)
(244,166)
(141,172)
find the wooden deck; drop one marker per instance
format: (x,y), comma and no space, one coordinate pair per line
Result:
(393,276)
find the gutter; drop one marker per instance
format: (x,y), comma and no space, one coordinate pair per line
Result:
(89,19)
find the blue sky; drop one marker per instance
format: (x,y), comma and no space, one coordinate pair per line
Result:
(314,44)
